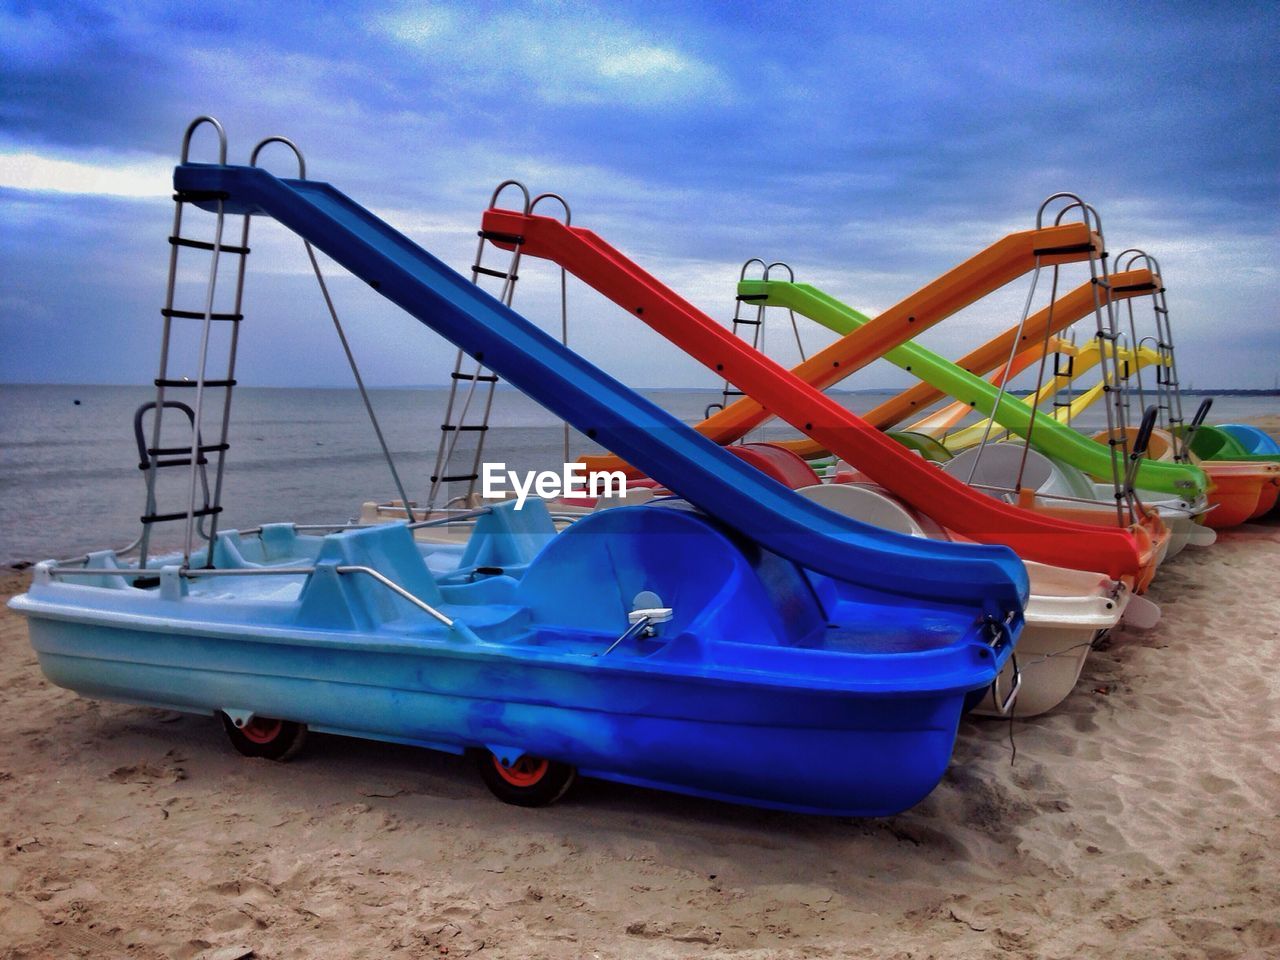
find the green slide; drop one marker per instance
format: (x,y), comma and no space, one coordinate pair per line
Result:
(1050,437)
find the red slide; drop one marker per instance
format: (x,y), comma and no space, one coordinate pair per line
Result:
(970,513)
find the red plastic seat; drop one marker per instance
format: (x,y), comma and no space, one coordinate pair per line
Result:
(777,462)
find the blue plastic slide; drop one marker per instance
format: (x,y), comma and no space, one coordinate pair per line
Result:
(989,580)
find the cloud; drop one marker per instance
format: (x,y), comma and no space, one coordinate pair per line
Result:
(584,58)
(872,148)
(141,175)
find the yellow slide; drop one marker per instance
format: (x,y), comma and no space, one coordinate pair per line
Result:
(1084,359)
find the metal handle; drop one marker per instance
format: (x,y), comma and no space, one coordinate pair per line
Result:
(1006,705)
(400,592)
(642,621)
(1143,438)
(636,629)
(191,129)
(1000,631)
(344,569)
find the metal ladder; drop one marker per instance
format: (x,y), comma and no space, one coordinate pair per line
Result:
(1116,402)
(474,374)
(1168,387)
(204,501)
(729,392)
(1067,370)
(1107,335)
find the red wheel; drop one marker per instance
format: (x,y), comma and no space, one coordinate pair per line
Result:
(528,782)
(261,729)
(266,737)
(525,772)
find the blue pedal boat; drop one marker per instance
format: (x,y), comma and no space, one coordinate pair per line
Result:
(740,642)
(1254,440)
(744,685)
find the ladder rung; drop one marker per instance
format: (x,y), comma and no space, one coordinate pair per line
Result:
(183,462)
(449,479)
(1070,248)
(165,517)
(482,377)
(1127,287)
(178,451)
(514,238)
(495,273)
(744,320)
(194,383)
(748,297)
(197,315)
(205,245)
(733,393)
(472,428)
(195,196)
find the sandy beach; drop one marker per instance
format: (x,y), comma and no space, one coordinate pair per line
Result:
(1137,819)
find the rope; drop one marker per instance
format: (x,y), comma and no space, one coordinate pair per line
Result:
(1004,379)
(355,372)
(1044,356)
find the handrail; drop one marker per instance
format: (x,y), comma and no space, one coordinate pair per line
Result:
(191,129)
(189,574)
(400,592)
(297,152)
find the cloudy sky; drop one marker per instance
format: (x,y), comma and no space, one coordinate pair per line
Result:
(871,147)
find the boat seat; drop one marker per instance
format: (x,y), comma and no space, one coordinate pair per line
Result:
(507,537)
(1251,439)
(865,504)
(388,548)
(999,465)
(278,545)
(103,560)
(778,463)
(1214,443)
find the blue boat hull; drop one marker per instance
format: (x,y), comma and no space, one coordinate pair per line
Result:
(767,685)
(799,750)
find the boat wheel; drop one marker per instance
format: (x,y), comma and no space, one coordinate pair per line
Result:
(529,782)
(266,737)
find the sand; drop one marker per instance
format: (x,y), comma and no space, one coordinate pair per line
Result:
(1138,819)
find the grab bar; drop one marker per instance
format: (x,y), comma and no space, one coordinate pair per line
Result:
(1006,705)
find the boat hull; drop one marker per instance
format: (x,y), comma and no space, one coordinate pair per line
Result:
(1241,491)
(1050,661)
(802,750)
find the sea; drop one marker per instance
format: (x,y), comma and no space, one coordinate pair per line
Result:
(69,465)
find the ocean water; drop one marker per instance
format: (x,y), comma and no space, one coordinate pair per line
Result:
(69,477)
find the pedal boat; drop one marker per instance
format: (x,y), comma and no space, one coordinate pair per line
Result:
(1248,450)
(1170,524)
(1253,441)
(644,644)
(1067,613)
